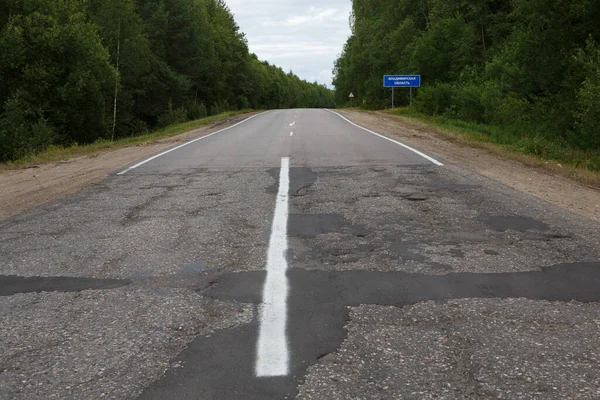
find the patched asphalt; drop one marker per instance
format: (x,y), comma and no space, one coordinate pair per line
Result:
(10,285)
(407,280)
(318,313)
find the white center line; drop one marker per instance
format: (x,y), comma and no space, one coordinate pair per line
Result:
(292,124)
(272,355)
(291,133)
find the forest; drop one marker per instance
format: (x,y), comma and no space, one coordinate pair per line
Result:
(531,67)
(75,71)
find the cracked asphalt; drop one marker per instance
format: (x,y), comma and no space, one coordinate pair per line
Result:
(408,280)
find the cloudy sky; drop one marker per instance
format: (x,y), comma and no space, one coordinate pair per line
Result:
(304,36)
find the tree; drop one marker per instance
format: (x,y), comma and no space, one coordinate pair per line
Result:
(75,72)
(56,77)
(488,61)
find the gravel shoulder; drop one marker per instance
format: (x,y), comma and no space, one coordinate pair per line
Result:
(25,188)
(543,184)
(34,185)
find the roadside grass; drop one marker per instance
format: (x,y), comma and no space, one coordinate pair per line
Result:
(522,142)
(60,153)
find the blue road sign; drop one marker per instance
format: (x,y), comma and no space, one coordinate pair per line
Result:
(402,81)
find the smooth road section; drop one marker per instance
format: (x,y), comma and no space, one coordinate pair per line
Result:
(315,138)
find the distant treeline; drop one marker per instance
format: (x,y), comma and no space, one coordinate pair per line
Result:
(518,62)
(63,63)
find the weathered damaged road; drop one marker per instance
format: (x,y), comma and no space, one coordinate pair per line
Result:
(298,255)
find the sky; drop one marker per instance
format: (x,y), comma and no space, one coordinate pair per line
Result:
(304,36)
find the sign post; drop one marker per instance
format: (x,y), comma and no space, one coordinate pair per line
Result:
(351,98)
(394,81)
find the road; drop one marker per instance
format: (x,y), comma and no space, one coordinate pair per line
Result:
(296,255)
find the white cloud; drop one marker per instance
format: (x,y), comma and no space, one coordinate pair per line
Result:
(325,76)
(304,36)
(314,15)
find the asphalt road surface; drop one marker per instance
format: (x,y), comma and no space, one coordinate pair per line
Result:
(296,255)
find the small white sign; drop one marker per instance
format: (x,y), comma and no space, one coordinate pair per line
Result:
(351,95)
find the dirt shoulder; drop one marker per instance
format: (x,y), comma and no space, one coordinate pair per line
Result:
(539,182)
(31,186)
(34,185)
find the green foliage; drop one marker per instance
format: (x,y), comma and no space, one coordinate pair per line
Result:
(55,68)
(22,131)
(242,102)
(530,63)
(587,113)
(172,116)
(55,153)
(518,137)
(196,110)
(217,109)
(63,63)
(467,103)
(435,100)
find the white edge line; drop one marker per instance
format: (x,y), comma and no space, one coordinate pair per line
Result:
(185,144)
(433,160)
(272,352)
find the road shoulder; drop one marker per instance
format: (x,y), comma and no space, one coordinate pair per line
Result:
(555,189)
(31,186)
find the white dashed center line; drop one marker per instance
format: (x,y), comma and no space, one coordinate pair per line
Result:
(272,356)
(291,133)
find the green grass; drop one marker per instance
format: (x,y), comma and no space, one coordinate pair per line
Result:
(60,153)
(522,138)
